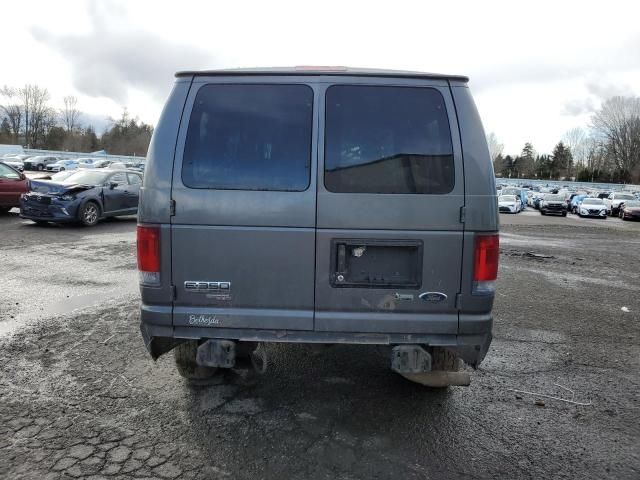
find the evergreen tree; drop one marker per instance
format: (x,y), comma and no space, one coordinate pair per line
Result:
(561,162)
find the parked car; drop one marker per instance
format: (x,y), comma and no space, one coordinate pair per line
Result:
(118,165)
(86,197)
(553,204)
(630,210)
(614,200)
(592,207)
(15,163)
(390,240)
(102,163)
(62,165)
(12,184)
(39,162)
(518,192)
(575,203)
(87,162)
(509,204)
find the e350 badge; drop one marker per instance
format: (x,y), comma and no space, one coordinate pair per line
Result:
(215,290)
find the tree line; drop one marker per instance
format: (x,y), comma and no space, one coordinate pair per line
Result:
(607,151)
(27,118)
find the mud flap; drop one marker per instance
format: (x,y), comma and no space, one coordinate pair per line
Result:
(157,346)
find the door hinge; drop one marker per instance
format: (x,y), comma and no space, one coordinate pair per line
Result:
(463,214)
(458,305)
(172,207)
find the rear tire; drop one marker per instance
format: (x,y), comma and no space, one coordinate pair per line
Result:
(564,214)
(4,210)
(185,357)
(40,168)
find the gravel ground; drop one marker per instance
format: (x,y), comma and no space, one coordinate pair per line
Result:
(80,397)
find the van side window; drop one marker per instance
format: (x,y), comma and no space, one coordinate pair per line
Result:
(387,140)
(249,137)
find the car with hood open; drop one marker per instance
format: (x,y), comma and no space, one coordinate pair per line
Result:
(592,207)
(509,204)
(85,197)
(630,210)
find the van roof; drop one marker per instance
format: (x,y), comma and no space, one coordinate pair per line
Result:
(321,70)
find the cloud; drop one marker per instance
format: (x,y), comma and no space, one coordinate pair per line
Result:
(574,108)
(598,90)
(110,62)
(604,90)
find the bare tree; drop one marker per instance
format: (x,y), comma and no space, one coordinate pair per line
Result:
(37,114)
(12,111)
(70,114)
(617,125)
(495,147)
(576,139)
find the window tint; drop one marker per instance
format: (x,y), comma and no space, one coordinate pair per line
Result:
(134,179)
(387,140)
(249,137)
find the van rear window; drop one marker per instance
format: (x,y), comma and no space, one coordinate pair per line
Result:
(249,137)
(382,139)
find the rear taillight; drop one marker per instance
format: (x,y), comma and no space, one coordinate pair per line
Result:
(149,255)
(485,265)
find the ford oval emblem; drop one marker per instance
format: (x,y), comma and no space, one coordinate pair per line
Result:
(433,297)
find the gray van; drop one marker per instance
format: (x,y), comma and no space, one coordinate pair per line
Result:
(325,206)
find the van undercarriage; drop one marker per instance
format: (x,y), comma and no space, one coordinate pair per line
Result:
(159,340)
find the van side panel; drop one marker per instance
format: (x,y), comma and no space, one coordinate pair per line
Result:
(155,193)
(481,210)
(155,196)
(480,184)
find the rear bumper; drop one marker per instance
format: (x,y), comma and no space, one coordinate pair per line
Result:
(160,336)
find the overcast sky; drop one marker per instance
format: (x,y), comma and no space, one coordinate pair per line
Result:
(536,70)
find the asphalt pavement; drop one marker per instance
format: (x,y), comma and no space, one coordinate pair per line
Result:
(557,396)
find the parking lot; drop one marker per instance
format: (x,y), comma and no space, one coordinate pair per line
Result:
(80,397)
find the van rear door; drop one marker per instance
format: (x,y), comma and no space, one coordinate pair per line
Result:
(244,187)
(390,190)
